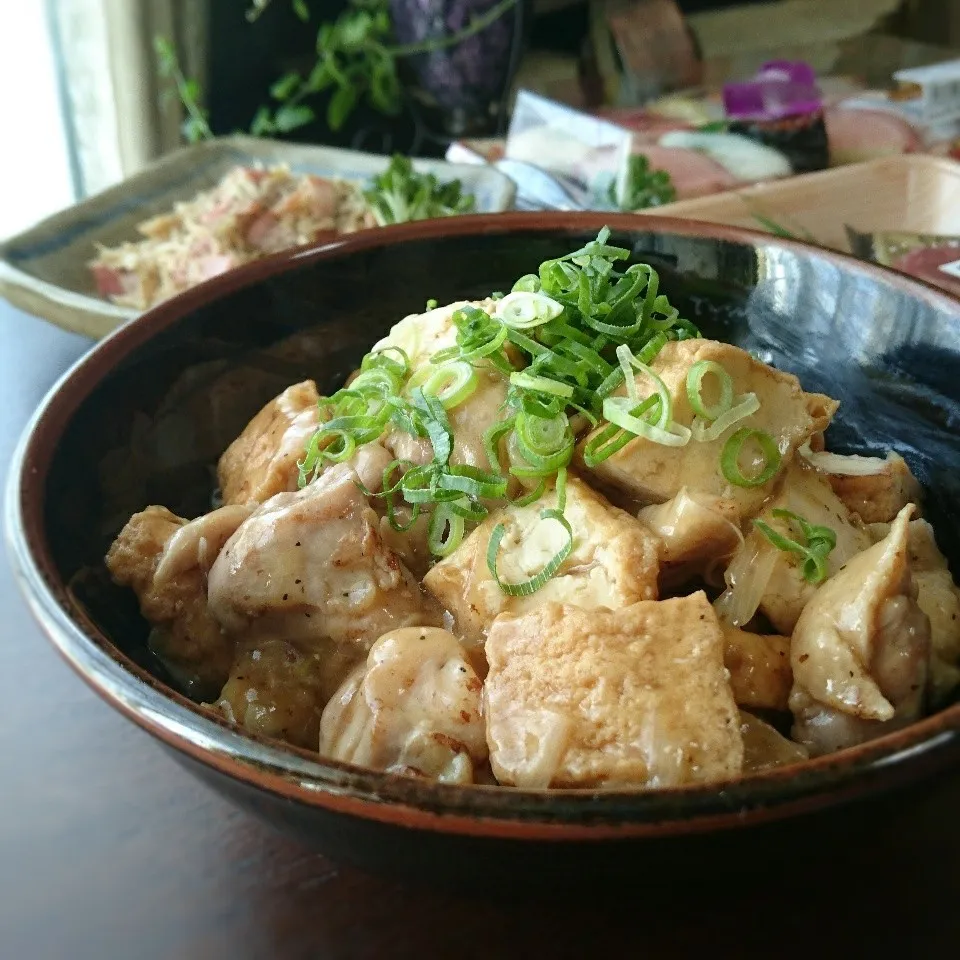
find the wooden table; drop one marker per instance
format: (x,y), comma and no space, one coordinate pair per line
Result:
(109,849)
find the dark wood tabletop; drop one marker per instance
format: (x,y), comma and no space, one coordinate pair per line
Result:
(109,849)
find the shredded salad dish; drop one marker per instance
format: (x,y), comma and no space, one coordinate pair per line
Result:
(255,211)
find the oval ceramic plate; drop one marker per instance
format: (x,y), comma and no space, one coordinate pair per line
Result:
(44,270)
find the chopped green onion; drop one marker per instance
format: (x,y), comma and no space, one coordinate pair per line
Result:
(628,362)
(445,532)
(611,439)
(451,383)
(527,464)
(617,411)
(730,458)
(530,283)
(473,481)
(704,433)
(521,310)
(491,440)
(533,495)
(820,541)
(431,304)
(531,586)
(543,384)
(695,377)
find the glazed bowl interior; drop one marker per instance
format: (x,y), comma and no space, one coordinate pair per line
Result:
(144,418)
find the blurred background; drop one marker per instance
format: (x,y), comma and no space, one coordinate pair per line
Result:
(87,100)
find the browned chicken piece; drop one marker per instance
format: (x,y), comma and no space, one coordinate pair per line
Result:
(262,461)
(759,574)
(311,565)
(860,650)
(588,698)
(764,748)
(164,559)
(874,489)
(939,598)
(414,707)
(648,472)
(759,666)
(695,531)
(613,562)
(278,690)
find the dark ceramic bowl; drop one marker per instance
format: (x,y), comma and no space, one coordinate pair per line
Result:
(144,416)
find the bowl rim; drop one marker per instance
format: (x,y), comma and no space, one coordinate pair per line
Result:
(305,777)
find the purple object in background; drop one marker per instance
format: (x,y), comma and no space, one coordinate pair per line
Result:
(780,88)
(782,108)
(467,82)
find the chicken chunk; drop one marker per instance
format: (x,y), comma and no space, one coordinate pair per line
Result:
(613,562)
(939,598)
(311,565)
(164,559)
(263,460)
(587,698)
(759,668)
(785,592)
(860,649)
(648,472)
(414,707)
(695,530)
(764,748)
(277,690)
(876,496)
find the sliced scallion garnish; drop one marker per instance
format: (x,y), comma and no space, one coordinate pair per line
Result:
(524,310)
(819,542)
(730,458)
(695,376)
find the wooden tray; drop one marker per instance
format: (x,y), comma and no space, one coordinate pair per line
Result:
(913,193)
(44,270)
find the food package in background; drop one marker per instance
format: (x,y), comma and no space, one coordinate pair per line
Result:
(934,258)
(782,107)
(475,151)
(569,144)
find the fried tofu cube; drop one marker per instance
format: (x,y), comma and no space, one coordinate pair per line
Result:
(613,562)
(875,497)
(647,472)
(262,461)
(632,697)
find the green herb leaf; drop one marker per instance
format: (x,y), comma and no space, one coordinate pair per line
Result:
(301,9)
(644,187)
(340,106)
(401,194)
(291,116)
(281,89)
(262,124)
